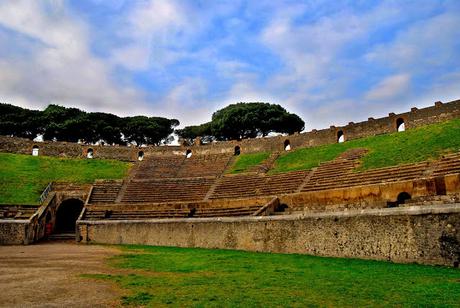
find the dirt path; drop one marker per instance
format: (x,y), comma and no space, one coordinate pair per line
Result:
(47,275)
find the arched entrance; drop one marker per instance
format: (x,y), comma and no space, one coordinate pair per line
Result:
(67,214)
(90,153)
(237,150)
(340,137)
(402,197)
(140,155)
(400,125)
(287,145)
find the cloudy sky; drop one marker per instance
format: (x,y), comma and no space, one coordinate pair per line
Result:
(331,62)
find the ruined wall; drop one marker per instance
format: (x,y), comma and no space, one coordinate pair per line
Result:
(429,235)
(415,118)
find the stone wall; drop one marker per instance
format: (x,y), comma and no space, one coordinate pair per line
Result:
(429,234)
(415,118)
(369,196)
(13,232)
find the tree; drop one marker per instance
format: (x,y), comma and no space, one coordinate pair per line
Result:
(249,120)
(189,133)
(145,130)
(20,122)
(72,124)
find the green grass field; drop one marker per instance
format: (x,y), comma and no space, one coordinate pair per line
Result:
(183,277)
(424,143)
(23,177)
(246,161)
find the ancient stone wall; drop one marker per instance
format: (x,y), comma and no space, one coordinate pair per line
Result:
(429,235)
(415,118)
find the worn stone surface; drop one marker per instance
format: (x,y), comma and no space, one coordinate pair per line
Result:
(429,234)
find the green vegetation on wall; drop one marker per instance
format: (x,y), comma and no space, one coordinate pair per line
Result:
(245,162)
(415,145)
(23,177)
(190,277)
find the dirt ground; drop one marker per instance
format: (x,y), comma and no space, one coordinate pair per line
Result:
(47,275)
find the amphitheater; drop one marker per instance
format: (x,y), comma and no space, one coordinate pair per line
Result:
(184,196)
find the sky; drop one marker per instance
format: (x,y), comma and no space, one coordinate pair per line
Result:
(330,62)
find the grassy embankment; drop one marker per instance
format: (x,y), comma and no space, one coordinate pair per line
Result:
(23,177)
(411,146)
(245,162)
(184,277)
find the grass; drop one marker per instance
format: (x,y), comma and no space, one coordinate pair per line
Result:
(161,276)
(415,145)
(245,162)
(23,177)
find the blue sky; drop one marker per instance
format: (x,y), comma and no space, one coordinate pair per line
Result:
(331,62)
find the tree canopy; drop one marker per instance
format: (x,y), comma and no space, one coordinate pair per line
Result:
(245,120)
(72,124)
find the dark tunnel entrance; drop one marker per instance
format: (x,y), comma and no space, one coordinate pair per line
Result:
(67,214)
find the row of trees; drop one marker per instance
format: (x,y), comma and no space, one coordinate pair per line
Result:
(72,124)
(245,120)
(236,121)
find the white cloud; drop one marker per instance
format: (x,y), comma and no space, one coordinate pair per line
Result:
(390,87)
(59,67)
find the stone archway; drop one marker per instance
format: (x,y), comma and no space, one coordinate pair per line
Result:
(340,136)
(400,125)
(287,145)
(67,214)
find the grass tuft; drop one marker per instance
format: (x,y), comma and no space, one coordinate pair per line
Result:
(245,162)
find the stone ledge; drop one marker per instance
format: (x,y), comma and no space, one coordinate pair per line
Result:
(410,210)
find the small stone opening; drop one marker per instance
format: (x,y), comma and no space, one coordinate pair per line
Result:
(35,150)
(400,125)
(188,153)
(140,155)
(403,197)
(340,136)
(90,153)
(281,208)
(237,150)
(287,145)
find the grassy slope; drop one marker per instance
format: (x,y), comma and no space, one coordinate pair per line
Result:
(414,145)
(23,177)
(245,161)
(223,278)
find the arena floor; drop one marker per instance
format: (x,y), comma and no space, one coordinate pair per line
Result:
(47,275)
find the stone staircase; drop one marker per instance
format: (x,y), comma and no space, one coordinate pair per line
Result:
(105,191)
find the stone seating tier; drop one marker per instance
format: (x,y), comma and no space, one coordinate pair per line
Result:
(98,214)
(105,192)
(179,166)
(17,211)
(167,190)
(248,185)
